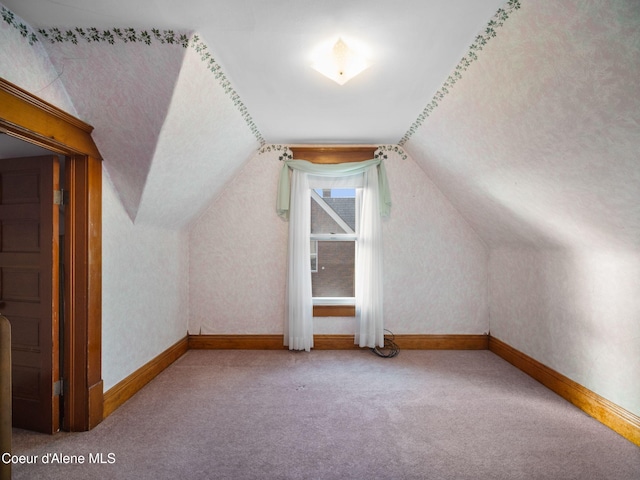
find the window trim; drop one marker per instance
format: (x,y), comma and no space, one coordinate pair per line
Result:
(333,155)
(314,256)
(334,310)
(324,301)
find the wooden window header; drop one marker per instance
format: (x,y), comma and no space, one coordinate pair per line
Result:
(333,154)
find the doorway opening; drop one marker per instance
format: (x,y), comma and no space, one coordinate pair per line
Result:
(32,280)
(30,119)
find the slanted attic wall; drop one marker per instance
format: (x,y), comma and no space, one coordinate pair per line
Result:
(170,131)
(537,146)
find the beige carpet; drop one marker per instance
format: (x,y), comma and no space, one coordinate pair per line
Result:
(339,415)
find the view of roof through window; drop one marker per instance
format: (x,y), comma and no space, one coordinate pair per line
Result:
(333,212)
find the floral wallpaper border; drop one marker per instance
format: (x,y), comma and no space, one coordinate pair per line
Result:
(480,41)
(285,152)
(24,29)
(382,149)
(126,35)
(130,35)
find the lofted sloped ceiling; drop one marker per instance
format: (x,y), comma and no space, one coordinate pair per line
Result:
(265,49)
(539,144)
(170,133)
(181,94)
(525,113)
(203,142)
(120,88)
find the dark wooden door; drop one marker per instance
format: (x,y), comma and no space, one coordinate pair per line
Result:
(29,286)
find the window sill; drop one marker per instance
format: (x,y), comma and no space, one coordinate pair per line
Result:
(334,311)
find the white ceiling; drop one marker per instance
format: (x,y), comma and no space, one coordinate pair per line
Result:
(536,144)
(264,48)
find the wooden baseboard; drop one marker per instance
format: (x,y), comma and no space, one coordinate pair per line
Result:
(608,413)
(233,342)
(126,388)
(265,342)
(442,342)
(339,342)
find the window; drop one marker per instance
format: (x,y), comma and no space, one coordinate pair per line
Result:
(334,223)
(349,197)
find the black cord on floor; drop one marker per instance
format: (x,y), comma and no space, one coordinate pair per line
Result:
(390,349)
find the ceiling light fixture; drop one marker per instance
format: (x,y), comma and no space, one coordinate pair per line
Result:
(339,62)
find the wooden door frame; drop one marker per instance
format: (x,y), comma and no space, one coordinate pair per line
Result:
(29,118)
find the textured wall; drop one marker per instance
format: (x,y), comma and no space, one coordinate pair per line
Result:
(435,265)
(157,108)
(144,290)
(537,146)
(576,308)
(127,103)
(29,67)
(576,311)
(538,143)
(203,143)
(237,256)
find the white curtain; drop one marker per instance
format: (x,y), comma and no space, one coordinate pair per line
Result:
(370,331)
(294,203)
(298,331)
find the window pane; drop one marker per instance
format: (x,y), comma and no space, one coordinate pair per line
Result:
(336,266)
(333,210)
